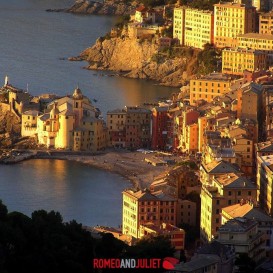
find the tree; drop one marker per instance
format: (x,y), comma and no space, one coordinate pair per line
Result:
(245,264)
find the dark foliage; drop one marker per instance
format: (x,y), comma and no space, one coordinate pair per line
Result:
(43,243)
(245,264)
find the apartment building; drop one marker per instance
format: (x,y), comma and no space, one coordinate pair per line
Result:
(244,236)
(179,24)
(198,28)
(266,23)
(129,127)
(208,87)
(248,210)
(189,135)
(268,108)
(231,19)
(141,207)
(236,60)
(223,190)
(160,121)
(116,120)
(265,183)
(193,27)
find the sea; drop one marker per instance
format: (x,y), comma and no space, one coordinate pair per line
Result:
(34,48)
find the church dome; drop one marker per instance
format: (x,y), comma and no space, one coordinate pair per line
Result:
(77,94)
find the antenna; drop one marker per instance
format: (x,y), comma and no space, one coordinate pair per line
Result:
(27,87)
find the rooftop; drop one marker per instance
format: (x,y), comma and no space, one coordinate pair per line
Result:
(255,36)
(220,167)
(238,224)
(196,263)
(265,146)
(217,77)
(244,50)
(247,211)
(231,180)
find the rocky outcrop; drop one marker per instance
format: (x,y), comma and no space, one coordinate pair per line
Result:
(136,59)
(108,7)
(10,127)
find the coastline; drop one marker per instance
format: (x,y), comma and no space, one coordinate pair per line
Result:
(130,165)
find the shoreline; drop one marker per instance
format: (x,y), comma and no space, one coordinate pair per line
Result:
(127,164)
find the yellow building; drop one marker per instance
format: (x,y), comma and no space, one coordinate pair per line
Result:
(225,190)
(198,28)
(243,146)
(29,123)
(236,60)
(179,24)
(208,87)
(265,182)
(256,41)
(193,27)
(72,123)
(202,126)
(266,23)
(231,19)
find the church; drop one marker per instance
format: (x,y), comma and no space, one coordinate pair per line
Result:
(69,122)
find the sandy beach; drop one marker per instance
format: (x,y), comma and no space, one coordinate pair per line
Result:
(131,165)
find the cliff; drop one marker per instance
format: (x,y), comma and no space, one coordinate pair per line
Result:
(138,59)
(108,7)
(10,127)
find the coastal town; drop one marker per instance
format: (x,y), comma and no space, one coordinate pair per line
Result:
(200,161)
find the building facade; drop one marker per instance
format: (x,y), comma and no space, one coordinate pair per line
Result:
(224,190)
(141,207)
(129,127)
(230,20)
(208,87)
(236,60)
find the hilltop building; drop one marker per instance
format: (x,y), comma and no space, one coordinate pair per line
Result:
(230,20)
(193,27)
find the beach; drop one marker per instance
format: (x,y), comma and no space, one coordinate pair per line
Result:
(130,165)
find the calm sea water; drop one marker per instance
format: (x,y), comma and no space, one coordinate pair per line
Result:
(32,43)
(77,191)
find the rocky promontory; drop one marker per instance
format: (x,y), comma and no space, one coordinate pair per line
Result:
(137,59)
(107,7)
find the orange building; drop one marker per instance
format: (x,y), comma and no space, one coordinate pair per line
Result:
(175,234)
(208,87)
